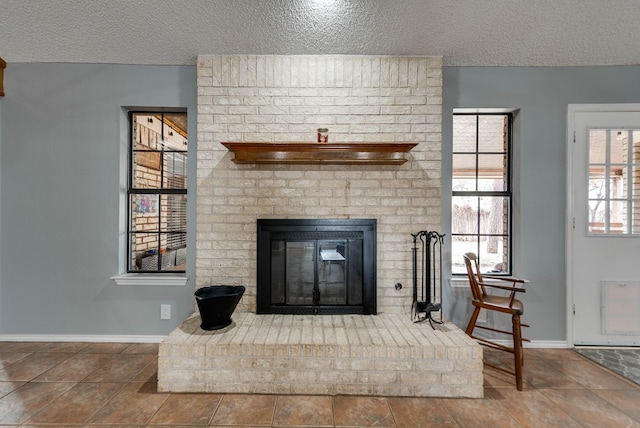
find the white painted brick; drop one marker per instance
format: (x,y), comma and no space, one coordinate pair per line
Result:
(287,101)
(305,93)
(273,98)
(364,110)
(350,101)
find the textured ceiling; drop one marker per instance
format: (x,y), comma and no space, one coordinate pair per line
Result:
(463,32)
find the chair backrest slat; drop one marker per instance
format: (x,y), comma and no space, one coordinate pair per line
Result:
(475,277)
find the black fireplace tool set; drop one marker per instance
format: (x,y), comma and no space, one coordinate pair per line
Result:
(427,271)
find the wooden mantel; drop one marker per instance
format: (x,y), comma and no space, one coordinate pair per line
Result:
(320,153)
(3,65)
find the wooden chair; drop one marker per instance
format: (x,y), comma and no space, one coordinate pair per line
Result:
(507,304)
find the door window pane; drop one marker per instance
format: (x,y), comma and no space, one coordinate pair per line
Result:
(614,182)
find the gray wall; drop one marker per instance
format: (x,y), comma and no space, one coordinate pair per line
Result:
(59,187)
(541,94)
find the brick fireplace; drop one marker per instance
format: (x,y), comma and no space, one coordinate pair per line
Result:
(286,98)
(277,99)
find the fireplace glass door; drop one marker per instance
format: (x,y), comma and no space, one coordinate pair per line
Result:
(313,271)
(332,275)
(317,272)
(292,272)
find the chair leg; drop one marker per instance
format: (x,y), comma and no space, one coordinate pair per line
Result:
(472,321)
(517,350)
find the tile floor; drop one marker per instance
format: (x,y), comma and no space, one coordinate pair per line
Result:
(114,384)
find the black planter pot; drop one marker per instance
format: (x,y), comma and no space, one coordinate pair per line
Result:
(216,303)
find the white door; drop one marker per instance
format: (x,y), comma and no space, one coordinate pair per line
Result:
(603,230)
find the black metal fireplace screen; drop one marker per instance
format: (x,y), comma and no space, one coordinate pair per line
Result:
(316,266)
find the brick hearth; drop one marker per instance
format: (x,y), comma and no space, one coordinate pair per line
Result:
(385,355)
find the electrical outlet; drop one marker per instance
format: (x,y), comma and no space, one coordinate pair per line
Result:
(165,312)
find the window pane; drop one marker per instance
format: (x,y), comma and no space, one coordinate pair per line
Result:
(160,213)
(464,134)
(635,135)
(459,246)
(597,146)
(147,158)
(492,134)
(596,216)
(492,172)
(489,262)
(464,167)
(619,144)
(494,261)
(597,182)
(152,251)
(635,217)
(491,165)
(143,247)
(635,183)
(144,214)
(174,219)
(174,212)
(147,132)
(465,215)
(617,181)
(172,258)
(618,216)
(481,225)
(498,207)
(175,170)
(464,184)
(146,170)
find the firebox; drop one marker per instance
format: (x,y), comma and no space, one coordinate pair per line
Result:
(316,266)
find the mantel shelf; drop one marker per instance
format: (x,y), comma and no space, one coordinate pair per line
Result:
(320,153)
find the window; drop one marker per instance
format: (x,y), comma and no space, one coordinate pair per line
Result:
(614,182)
(157,192)
(481,191)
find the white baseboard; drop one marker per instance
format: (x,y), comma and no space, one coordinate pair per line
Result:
(560,344)
(557,344)
(79,338)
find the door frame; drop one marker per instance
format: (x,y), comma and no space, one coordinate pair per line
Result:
(572,110)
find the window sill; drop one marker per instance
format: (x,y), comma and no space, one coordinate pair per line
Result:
(459,282)
(146,279)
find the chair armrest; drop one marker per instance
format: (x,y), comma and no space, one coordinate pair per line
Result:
(504,287)
(507,278)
